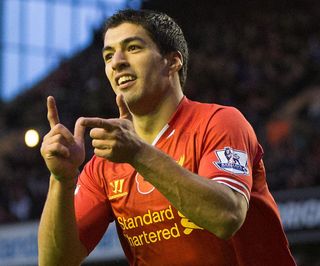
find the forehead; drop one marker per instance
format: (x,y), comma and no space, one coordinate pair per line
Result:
(124,31)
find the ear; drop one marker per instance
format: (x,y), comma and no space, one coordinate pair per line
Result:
(175,61)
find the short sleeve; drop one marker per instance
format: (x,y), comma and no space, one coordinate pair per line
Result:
(230,148)
(92,207)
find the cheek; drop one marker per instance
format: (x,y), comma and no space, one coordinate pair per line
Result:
(108,74)
(107,71)
(154,69)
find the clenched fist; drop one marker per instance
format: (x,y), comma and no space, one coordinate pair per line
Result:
(62,151)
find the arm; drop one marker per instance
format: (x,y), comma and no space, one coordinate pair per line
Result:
(63,153)
(58,235)
(207,203)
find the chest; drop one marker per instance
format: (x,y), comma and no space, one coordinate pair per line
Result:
(131,195)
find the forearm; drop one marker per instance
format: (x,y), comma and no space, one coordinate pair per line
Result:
(58,236)
(209,204)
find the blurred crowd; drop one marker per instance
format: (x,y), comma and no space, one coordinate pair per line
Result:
(267,64)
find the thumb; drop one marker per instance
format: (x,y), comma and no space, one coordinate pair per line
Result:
(79,130)
(124,112)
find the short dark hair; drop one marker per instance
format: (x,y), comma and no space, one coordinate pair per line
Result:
(163,30)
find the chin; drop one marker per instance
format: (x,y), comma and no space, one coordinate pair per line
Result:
(137,105)
(131,99)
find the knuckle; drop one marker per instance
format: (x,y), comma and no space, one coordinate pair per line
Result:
(56,147)
(42,150)
(59,138)
(93,142)
(100,123)
(92,133)
(46,136)
(113,143)
(59,126)
(80,120)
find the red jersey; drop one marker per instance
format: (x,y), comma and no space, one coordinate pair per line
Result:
(212,141)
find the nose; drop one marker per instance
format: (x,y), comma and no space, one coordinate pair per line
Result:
(119,61)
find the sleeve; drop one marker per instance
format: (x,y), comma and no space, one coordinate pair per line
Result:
(92,208)
(230,149)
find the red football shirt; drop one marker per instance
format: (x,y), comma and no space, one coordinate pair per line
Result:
(213,141)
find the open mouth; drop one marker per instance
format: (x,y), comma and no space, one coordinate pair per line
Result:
(125,79)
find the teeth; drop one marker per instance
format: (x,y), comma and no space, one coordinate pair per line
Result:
(124,79)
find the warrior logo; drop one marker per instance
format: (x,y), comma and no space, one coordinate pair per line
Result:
(233,161)
(117,189)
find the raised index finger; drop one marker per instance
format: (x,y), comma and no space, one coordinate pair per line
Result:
(52,115)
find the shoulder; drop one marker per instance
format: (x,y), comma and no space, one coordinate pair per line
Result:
(212,114)
(228,116)
(222,125)
(209,109)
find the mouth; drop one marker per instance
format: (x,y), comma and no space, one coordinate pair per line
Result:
(125,80)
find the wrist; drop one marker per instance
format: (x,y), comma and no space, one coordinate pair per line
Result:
(143,156)
(68,180)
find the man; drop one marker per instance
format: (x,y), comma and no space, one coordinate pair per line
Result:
(162,170)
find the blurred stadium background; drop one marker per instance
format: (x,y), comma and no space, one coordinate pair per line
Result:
(261,56)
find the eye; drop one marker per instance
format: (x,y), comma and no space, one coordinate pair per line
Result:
(133,47)
(107,57)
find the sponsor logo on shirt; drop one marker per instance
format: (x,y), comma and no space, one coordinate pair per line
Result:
(147,237)
(143,186)
(232,161)
(117,189)
(188,225)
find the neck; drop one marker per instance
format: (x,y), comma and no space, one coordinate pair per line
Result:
(149,125)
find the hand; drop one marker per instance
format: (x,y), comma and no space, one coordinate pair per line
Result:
(114,139)
(62,151)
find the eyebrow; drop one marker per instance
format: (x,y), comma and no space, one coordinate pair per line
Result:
(125,42)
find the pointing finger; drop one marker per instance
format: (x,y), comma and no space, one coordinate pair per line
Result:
(52,115)
(107,124)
